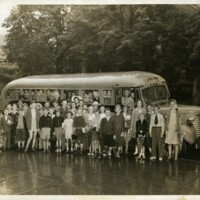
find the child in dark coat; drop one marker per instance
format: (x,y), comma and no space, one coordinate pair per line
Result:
(118,123)
(141,134)
(79,128)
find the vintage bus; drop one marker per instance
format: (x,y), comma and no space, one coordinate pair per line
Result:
(148,87)
(110,87)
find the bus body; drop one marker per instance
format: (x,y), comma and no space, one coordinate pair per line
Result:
(116,83)
(150,88)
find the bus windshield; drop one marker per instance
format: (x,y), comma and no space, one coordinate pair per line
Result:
(155,93)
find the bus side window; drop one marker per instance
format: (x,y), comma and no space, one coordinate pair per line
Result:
(89,96)
(27,94)
(21,95)
(137,96)
(107,95)
(12,94)
(41,95)
(70,93)
(118,96)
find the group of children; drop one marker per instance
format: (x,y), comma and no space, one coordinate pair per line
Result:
(93,129)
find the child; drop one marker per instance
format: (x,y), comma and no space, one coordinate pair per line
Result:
(68,130)
(6,122)
(45,126)
(135,116)
(79,125)
(141,133)
(14,114)
(118,122)
(20,130)
(99,116)
(57,127)
(106,133)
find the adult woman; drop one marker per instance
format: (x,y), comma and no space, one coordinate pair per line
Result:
(172,129)
(127,100)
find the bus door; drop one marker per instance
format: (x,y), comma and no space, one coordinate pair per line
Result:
(132,92)
(118,96)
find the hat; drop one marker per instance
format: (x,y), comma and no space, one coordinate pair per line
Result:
(95,103)
(74,97)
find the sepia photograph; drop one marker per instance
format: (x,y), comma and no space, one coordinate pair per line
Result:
(100,99)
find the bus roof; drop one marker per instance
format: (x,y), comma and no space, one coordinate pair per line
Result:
(86,80)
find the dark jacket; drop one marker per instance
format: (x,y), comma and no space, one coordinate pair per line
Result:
(141,128)
(45,122)
(15,118)
(4,123)
(117,124)
(79,122)
(105,127)
(57,121)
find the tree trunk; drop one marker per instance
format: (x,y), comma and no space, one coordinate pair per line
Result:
(59,68)
(195,95)
(194,87)
(83,68)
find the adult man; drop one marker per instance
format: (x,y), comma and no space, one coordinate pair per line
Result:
(32,120)
(156,131)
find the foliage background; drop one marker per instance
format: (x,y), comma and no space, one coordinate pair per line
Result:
(48,39)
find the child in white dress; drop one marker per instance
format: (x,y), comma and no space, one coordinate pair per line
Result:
(68,130)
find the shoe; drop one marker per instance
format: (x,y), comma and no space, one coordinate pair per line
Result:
(175,159)
(99,156)
(153,158)
(89,154)
(25,150)
(169,159)
(160,159)
(143,156)
(104,155)
(109,154)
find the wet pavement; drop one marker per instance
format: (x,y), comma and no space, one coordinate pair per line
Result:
(41,174)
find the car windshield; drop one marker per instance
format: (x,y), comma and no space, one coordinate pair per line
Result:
(155,93)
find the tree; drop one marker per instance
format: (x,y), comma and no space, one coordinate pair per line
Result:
(193,47)
(75,39)
(35,38)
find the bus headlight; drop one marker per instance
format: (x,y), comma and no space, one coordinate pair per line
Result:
(190,121)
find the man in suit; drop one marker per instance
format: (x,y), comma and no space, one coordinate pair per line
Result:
(32,120)
(6,123)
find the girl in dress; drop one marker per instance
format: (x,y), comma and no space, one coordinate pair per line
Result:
(135,116)
(172,129)
(68,130)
